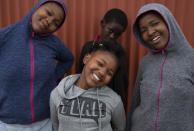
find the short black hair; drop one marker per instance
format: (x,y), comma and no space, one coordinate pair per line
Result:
(116,15)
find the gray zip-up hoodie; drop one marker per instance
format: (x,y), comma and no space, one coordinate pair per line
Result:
(75,109)
(163,97)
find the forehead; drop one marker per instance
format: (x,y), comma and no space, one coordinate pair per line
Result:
(114,25)
(101,53)
(149,17)
(53,5)
(106,56)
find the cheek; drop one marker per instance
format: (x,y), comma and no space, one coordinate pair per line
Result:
(144,37)
(167,35)
(34,22)
(34,26)
(52,28)
(108,79)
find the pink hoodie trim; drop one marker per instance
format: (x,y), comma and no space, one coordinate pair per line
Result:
(32,78)
(157,115)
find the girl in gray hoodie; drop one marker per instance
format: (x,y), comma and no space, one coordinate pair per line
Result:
(163,97)
(83,102)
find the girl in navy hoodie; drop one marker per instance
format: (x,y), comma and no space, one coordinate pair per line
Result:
(28,73)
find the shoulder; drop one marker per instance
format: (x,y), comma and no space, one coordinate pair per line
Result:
(188,60)
(55,38)
(111,96)
(145,59)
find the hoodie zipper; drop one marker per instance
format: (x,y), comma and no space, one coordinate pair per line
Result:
(32,77)
(158,98)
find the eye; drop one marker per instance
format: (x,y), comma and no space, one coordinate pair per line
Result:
(110,73)
(110,31)
(155,24)
(49,13)
(117,34)
(100,63)
(143,30)
(56,23)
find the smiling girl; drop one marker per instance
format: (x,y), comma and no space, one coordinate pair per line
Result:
(164,89)
(29,70)
(84,102)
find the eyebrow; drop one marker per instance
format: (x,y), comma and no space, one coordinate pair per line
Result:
(103,61)
(52,12)
(149,23)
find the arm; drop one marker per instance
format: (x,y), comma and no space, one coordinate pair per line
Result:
(53,113)
(64,61)
(4,34)
(118,120)
(135,101)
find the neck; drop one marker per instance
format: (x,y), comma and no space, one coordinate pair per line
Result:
(79,83)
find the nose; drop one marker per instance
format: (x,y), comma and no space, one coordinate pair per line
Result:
(102,72)
(50,20)
(150,31)
(112,36)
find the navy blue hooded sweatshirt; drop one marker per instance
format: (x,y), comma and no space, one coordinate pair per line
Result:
(29,70)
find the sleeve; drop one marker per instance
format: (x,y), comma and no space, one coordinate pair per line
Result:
(4,34)
(86,49)
(64,59)
(118,120)
(135,100)
(53,113)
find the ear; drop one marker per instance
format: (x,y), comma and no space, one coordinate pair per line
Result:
(86,58)
(102,23)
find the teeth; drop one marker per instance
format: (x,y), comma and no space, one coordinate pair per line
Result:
(96,77)
(155,38)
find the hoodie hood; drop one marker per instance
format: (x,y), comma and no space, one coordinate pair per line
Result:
(177,40)
(67,89)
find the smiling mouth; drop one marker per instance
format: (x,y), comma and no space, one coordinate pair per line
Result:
(96,77)
(43,24)
(156,40)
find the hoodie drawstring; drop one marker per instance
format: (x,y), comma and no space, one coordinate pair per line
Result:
(32,77)
(80,117)
(157,115)
(99,111)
